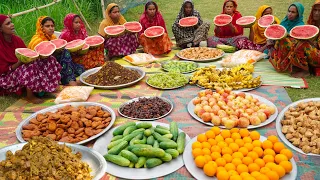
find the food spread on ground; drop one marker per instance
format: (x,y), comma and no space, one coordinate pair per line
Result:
(200,53)
(144,146)
(146,108)
(179,66)
(240,154)
(301,126)
(167,80)
(238,77)
(42,158)
(112,74)
(68,124)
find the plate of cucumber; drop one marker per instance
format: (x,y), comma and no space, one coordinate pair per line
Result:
(130,155)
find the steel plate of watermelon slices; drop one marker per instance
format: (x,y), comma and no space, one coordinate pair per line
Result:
(75,45)
(265,21)
(94,41)
(133,26)
(84,49)
(188,21)
(246,21)
(275,32)
(154,31)
(115,30)
(304,32)
(45,49)
(60,43)
(26,55)
(222,20)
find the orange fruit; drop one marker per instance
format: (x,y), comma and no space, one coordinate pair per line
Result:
(223,175)
(214,163)
(256,143)
(225,133)
(237,155)
(226,150)
(270,165)
(264,170)
(286,165)
(268,158)
(243,150)
(263,177)
(247,160)
(260,162)
(216,130)
(267,144)
(197,152)
(196,144)
(279,170)
(208,158)
(255,174)
(244,175)
(254,135)
(215,155)
(240,142)
(278,146)
(269,152)
(229,140)
(273,138)
(253,167)
(280,157)
(234,147)
(244,133)
(227,157)
(210,134)
(206,145)
(234,130)
(212,142)
(249,146)
(219,138)
(200,161)
(242,168)
(235,136)
(232,172)
(221,162)
(215,148)
(209,169)
(247,139)
(236,161)
(202,138)
(222,144)
(235,177)
(253,155)
(230,166)
(250,178)
(258,150)
(206,151)
(287,153)
(220,168)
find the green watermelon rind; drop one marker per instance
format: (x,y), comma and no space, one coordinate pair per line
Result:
(189,25)
(273,38)
(249,24)
(263,17)
(132,22)
(304,38)
(150,29)
(76,48)
(23,58)
(108,28)
(84,51)
(94,45)
(42,55)
(64,43)
(221,15)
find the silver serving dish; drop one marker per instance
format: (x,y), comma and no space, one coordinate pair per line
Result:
(74,104)
(136,99)
(186,72)
(199,60)
(87,73)
(95,160)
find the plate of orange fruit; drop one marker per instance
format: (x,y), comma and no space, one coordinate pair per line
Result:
(238,154)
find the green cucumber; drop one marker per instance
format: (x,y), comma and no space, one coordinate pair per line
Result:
(116,138)
(129,155)
(141,162)
(150,140)
(145,125)
(142,141)
(153,162)
(138,130)
(166,158)
(131,136)
(161,131)
(168,145)
(156,144)
(131,165)
(138,146)
(139,136)
(148,132)
(118,148)
(128,130)
(114,143)
(174,130)
(181,142)
(173,152)
(169,136)
(148,152)
(119,130)
(116,159)
(162,127)
(159,138)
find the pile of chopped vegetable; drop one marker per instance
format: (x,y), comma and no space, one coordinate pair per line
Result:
(168,80)
(177,66)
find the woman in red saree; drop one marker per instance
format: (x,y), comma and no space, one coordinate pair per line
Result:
(75,29)
(152,17)
(41,75)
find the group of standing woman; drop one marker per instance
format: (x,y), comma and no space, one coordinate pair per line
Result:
(45,75)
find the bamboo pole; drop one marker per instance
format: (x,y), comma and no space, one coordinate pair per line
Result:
(74,2)
(33,9)
(103,9)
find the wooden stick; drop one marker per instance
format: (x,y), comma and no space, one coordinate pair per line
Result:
(103,9)
(74,2)
(33,9)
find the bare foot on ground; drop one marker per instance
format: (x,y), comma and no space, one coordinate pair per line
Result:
(32,98)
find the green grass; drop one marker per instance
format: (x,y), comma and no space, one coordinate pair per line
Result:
(25,24)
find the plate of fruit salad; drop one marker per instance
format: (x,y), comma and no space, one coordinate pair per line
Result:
(228,109)
(238,154)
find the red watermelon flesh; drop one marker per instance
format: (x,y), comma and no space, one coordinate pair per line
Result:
(188,21)
(26,55)
(94,41)
(133,26)
(84,49)
(60,43)
(265,21)
(45,49)
(222,20)
(304,32)
(114,30)
(246,21)
(154,31)
(275,32)
(75,45)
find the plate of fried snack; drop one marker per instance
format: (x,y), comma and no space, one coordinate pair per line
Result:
(200,54)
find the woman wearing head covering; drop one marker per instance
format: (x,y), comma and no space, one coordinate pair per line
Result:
(121,45)
(228,33)
(189,36)
(41,75)
(44,32)
(152,17)
(75,29)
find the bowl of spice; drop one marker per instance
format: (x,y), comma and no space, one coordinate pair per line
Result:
(146,108)
(112,76)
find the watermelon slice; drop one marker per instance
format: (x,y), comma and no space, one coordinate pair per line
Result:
(75,45)
(154,31)
(133,26)
(188,21)
(84,49)
(246,21)
(60,43)
(94,41)
(26,55)
(115,30)
(265,21)
(304,32)
(275,32)
(222,20)
(45,49)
